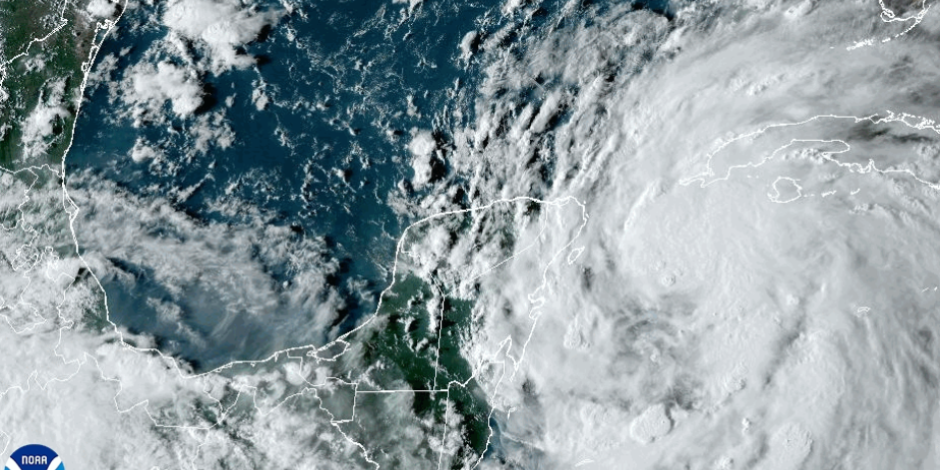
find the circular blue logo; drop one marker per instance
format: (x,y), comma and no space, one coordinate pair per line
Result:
(34,457)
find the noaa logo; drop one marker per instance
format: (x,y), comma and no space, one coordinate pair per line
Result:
(34,457)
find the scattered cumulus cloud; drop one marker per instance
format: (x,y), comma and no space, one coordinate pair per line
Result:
(40,124)
(142,151)
(221,26)
(422,148)
(151,86)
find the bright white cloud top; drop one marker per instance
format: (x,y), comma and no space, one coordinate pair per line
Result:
(699,240)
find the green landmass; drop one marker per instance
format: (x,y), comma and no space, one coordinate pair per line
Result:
(405,341)
(44,44)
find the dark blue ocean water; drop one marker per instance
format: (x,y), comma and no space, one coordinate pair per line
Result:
(340,74)
(340,98)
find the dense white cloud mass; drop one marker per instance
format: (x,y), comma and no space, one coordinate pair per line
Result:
(726,259)
(422,148)
(229,267)
(102,396)
(757,286)
(221,25)
(152,86)
(41,121)
(74,370)
(102,8)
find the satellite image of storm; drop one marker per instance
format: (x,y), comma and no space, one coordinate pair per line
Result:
(470,234)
